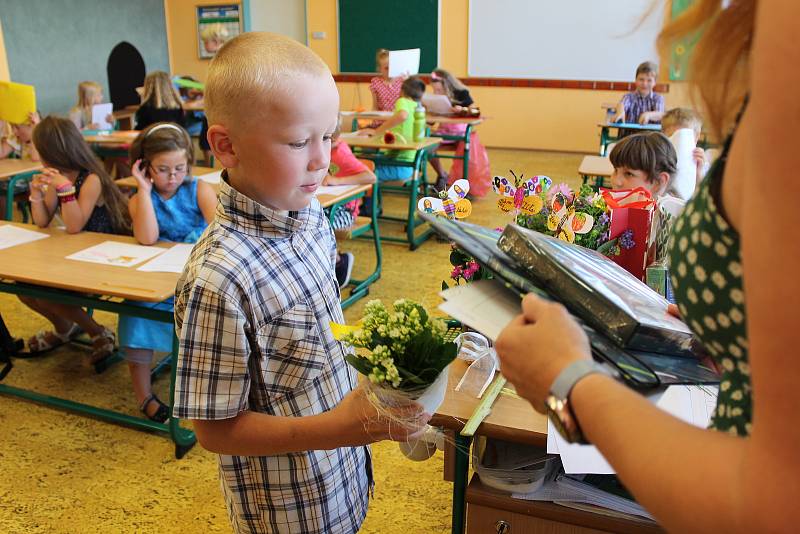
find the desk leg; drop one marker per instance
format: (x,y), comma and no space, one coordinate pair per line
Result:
(10,194)
(183,438)
(361,287)
(465,160)
(460,483)
(420,172)
(603,140)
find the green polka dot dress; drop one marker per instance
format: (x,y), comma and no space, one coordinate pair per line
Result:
(706,272)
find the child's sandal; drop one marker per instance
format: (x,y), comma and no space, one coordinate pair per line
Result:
(102,346)
(56,340)
(160,415)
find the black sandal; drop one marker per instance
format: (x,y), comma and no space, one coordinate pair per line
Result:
(161,415)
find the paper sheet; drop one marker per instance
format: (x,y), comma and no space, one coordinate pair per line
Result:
(172,261)
(211,177)
(17,100)
(333,190)
(686,175)
(403,62)
(437,104)
(118,254)
(99,114)
(693,404)
(485,305)
(11,236)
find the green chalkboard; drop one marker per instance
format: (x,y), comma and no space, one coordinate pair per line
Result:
(366,25)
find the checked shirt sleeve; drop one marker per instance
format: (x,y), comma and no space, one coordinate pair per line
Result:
(212,379)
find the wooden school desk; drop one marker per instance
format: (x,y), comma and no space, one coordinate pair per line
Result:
(29,270)
(595,169)
(13,171)
(512,419)
(364,226)
(125,116)
(414,187)
(110,143)
(606,138)
(430,119)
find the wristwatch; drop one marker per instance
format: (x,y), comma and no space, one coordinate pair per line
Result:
(557,403)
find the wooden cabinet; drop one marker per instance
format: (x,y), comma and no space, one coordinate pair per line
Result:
(490,511)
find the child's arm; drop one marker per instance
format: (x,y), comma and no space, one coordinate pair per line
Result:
(206,200)
(353,422)
(43,200)
(366,177)
(650,116)
(398,118)
(5,148)
(76,212)
(143,215)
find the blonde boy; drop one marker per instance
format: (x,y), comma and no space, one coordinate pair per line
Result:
(692,166)
(258,369)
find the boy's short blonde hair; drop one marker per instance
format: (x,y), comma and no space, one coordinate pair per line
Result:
(678,118)
(250,67)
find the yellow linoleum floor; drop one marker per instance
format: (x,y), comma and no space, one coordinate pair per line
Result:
(61,473)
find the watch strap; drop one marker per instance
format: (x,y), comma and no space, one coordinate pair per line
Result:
(570,375)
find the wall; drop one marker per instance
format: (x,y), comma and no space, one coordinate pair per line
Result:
(4,75)
(54,44)
(181,16)
(530,118)
(287,17)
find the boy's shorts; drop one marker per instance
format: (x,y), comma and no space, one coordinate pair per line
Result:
(391,172)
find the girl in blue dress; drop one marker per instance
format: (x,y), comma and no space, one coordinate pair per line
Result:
(169,205)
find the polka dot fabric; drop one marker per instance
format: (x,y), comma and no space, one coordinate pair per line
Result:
(706,272)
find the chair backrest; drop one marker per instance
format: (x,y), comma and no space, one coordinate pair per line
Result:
(369,163)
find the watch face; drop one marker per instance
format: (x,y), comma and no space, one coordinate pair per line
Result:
(560,414)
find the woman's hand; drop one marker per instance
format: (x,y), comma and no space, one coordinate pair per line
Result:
(139,170)
(537,345)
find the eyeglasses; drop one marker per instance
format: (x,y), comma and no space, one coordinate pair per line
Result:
(166,172)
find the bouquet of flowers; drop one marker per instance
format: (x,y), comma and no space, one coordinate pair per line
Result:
(465,268)
(584,201)
(405,355)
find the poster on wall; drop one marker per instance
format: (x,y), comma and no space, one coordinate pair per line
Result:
(215,26)
(681,49)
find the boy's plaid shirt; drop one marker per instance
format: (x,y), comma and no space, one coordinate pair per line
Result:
(253,311)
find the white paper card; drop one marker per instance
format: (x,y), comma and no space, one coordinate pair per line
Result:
(485,305)
(118,254)
(437,104)
(172,261)
(403,62)
(211,177)
(11,236)
(686,175)
(99,114)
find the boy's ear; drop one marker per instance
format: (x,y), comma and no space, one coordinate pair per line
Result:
(221,145)
(663,182)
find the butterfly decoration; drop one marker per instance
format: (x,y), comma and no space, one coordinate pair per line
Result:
(523,195)
(564,221)
(452,204)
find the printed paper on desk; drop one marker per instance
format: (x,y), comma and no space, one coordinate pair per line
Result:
(17,100)
(693,404)
(99,114)
(333,190)
(11,236)
(118,254)
(485,305)
(212,177)
(403,62)
(172,261)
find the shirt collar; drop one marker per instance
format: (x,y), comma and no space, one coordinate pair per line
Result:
(239,212)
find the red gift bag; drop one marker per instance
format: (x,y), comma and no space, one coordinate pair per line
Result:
(480,175)
(631,209)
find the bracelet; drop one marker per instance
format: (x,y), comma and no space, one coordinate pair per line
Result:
(31,199)
(65,192)
(64,187)
(66,198)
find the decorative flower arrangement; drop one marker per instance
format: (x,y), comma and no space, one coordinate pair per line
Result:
(586,201)
(405,348)
(465,268)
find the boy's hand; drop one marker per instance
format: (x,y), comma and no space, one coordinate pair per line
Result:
(357,411)
(645,117)
(143,183)
(699,158)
